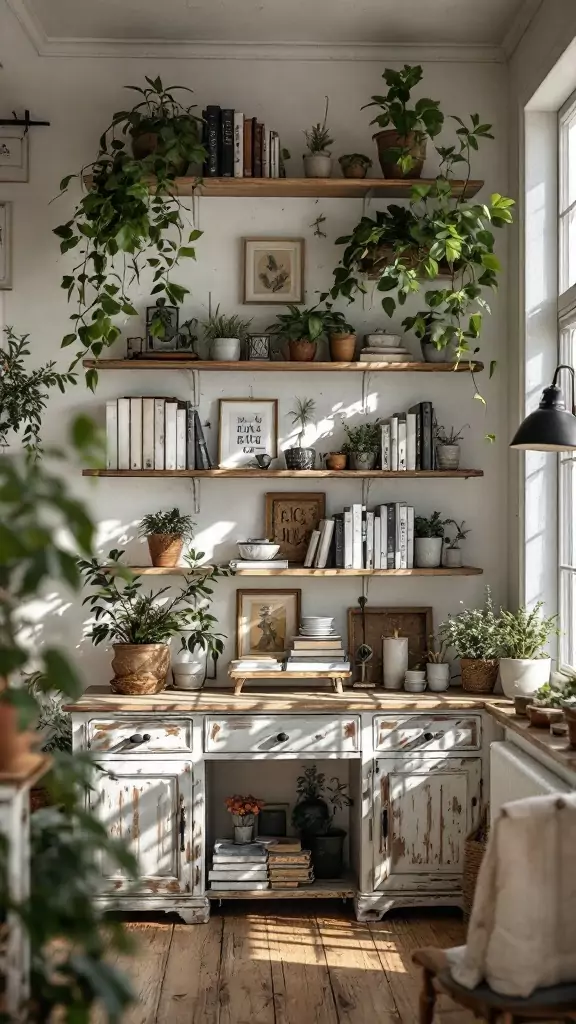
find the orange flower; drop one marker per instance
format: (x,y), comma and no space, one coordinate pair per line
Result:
(243,805)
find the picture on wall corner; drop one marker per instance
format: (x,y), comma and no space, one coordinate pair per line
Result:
(5,245)
(273,270)
(14,148)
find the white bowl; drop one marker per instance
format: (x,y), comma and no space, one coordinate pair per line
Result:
(413,675)
(258,551)
(392,340)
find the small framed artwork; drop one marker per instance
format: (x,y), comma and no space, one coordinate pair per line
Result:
(266,621)
(247,427)
(5,246)
(290,519)
(273,270)
(161,328)
(13,155)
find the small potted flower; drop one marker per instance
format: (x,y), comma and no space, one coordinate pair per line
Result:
(302,416)
(318,161)
(166,532)
(354,165)
(362,445)
(437,667)
(452,551)
(244,810)
(447,447)
(428,540)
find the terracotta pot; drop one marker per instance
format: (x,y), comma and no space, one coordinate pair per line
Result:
(140,668)
(390,139)
(342,348)
(165,549)
(302,351)
(336,460)
(540,718)
(15,744)
(570,716)
(478,675)
(146,144)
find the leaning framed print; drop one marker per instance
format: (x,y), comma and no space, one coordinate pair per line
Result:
(266,621)
(291,518)
(247,427)
(5,246)
(273,270)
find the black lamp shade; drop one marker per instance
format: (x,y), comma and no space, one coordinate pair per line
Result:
(551,428)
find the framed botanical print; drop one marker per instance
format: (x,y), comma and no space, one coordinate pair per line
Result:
(273,270)
(5,245)
(248,427)
(266,621)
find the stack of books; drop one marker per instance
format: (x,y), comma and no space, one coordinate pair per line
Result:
(238,867)
(257,663)
(154,433)
(238,146)
(289,866)
(376,351)
(407,439)
(317,648)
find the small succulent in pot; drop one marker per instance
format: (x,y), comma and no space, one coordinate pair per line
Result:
(452,550)
(447,446)
(402,148)
(362,444)
(225,335)
(428,540)
(318,161)
(302,416)
(355,165)
(166,532)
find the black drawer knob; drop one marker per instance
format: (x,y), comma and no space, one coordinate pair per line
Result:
(282,737)
(137,738)
(428,736)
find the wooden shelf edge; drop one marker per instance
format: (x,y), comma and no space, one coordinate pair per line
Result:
(295,474)
(181,570)
(270,366)
(338,888)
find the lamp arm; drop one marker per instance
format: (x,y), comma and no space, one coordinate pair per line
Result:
(565,366)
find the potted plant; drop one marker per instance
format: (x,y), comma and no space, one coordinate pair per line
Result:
(452,551)
(544,706)
(225,335)
(336,460)
(374,245)
(313,816)
(341,334)
(447,447)
(244,811)
(473,634)
(355,165)
(437,667)
(197,643)
(521,638)
(141,625)
(302,329)
(568,705)
(362,445)
(402,148)
(428,540)
(166,532)
(317,161)
(302,415)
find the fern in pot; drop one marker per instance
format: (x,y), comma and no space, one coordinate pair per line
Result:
(225,336)
(473,635)
(362,445)
(428,540)
(522,637)
(166,532)
(302,416)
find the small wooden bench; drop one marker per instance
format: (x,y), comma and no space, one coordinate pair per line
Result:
(338,678)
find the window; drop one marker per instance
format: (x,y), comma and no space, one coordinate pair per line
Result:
(567,352)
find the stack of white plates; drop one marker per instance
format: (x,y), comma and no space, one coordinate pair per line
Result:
(316,625)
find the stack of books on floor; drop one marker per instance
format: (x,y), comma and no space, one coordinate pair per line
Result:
(360,539)
(263,664)
(154,433)
(408,439)
(317,648)
(239,867)
(289,866)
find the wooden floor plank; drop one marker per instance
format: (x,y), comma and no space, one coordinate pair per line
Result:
(360,987)
(300,977)
(245,991)
(190,988)
(145,968)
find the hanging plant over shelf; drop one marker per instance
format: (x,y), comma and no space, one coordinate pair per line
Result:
(121,227)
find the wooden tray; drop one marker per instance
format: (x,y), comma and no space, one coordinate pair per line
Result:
(415,623)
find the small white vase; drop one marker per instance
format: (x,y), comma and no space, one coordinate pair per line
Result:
(188,667)
(394,661)
(452,558)
(225,350)
(428,552)
(438,676)
(447,456)
(521,677)
(318,165)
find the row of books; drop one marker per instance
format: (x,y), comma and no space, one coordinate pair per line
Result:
(407,439)
(359,539)
(277,863)
(154,433)
(238,146)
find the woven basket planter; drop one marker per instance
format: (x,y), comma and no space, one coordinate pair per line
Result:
(165,549)
(474,849)
(478,676)
(140,668)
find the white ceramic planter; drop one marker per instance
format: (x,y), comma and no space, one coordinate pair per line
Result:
(318,165)
(438,676)
(447,456)
(452,557)
(521,677)
(188,668)
(395,661)
(225,350)
(428,552)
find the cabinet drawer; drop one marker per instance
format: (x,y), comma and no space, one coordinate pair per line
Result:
(405,733)
(244,734)
(140,735)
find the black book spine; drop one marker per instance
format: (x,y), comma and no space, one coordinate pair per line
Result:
(227,169)
(203,460)
(417,409)
(391,537)
(427,452)
(190,437)
(338,540)
(212,142)
(256,148)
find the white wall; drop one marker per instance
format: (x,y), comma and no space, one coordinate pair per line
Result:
(78,97)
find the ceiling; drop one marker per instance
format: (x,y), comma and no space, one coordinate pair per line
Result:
(426,22)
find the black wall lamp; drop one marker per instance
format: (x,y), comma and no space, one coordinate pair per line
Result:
(552,427)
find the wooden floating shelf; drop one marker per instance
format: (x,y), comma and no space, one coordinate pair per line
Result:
(294,474)
(306,188)
(299,570)
(270,366)
(338,888)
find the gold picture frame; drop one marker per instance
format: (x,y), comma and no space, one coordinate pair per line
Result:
(273,271)
(266,620)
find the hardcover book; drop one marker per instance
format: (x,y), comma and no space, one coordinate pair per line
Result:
(227,121)
(212,138)
(247,169)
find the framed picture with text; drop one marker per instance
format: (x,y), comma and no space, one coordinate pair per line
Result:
(247,427)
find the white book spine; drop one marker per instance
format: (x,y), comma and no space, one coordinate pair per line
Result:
(411,441)
(385,446)
(410,542)
(312,548)
(238,144)
(377,542)
(357,560)
(402,442)
(112,435)
(348,545)
(277,155)
(181,439)
(170,435)
(327,529)
(383,537)
(123,433)
(394,443)
(135,433)
(266,145)
(159,430)
(397,554)
(403,535)
(369,540)
(147,433)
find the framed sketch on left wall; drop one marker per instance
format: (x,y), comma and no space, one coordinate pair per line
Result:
(5,245)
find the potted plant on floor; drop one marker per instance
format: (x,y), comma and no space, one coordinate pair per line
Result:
(428,540)
(362,445)
(313,816)
(521,640)
(302,329)
(447,447)
(166,532)
(355,165)
(402,148)
(452,557)
(140,626)
(473,634)
(302,416)
(318,161)
(225,336)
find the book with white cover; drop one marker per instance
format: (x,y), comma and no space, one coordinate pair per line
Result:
(135,433)
(377,536)
(181,438)
(326,531)
(240,874)
(318,666)
(312,548)
(385,446)
(147,433)
(411,440)
(266,154)
(159,428)
(240,886)
(403,539)
(112,435)
(241,665)
(394,443)
(402,442)
(369,540)
(170,433)
(273,563)
(410,543)
(123,433)
(357,560)
(348,532)
(274,154)
(397,533)
(238,144)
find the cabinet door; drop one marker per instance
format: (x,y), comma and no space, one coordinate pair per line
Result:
(149,806)
(424,809)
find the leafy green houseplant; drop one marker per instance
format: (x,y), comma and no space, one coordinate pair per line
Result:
(341,334)
(452,551)
(355,165)
(362,444)
(473,635)
(302,329)
(166,532)
(313,816)
(122,226)
(225,335)
(522,637)
(199,643)
(317,161)
(402,148)
(428,540)
(302,416)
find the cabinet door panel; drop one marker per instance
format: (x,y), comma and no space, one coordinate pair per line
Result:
(149,806)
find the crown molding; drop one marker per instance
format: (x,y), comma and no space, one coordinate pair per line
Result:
(47,46)
(520,24)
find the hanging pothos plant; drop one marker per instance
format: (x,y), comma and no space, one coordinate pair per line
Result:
(122,225)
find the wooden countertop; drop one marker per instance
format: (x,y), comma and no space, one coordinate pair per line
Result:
(556,747)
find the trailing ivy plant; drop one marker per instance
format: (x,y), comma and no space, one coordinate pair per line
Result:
(121,226)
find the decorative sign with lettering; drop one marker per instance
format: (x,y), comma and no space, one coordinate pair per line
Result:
(248,427)
(290,519)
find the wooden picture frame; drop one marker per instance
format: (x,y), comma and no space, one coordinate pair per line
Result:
(281,621)
(237,449)
(273,271)
(5,246)
(290,519)
(14,154)
(415,623)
